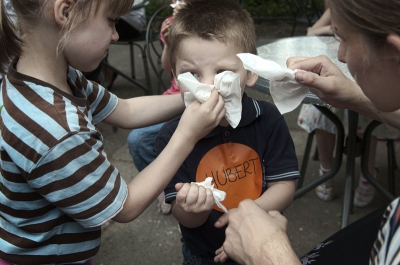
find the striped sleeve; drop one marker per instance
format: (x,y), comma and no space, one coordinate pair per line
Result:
(101,101)
(76,177)
(386,249)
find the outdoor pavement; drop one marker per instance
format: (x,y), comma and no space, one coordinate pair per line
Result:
(154,238)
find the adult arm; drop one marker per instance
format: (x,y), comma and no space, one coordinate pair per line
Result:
(254,236)
(338,90)
(322,26)
(278,196)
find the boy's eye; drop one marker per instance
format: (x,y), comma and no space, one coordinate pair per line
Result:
(220,71)
(195,74)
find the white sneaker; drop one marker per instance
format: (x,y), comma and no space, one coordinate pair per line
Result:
(325,190)
(364,193)
(163,207)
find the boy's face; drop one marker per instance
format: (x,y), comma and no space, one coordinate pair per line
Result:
(205,59)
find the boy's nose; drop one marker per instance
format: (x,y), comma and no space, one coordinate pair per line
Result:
(208,80)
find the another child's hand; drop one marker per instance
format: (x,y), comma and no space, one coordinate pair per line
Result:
(220,255)
(193,198)
(199,119)
(165,27)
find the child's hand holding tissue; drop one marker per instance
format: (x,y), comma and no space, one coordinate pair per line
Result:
(197,198)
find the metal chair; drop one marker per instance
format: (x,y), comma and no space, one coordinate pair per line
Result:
(392,165)
(154,48)
(134,41)
(363,147)
(307,11)
(292,10)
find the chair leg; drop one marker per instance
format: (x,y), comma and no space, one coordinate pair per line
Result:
(315,157)
(391,165)
(146,72)
(145,66)
(132,60)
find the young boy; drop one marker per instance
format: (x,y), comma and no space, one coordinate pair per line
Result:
(255,160)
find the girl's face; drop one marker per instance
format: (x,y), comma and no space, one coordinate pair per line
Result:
(374,68)
(88,44)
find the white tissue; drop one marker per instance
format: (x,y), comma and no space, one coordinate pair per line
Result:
(227,84)
(176,3)
(286,92)
(219,195)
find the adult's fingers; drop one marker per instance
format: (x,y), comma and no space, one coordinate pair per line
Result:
(307,63)
(222,221)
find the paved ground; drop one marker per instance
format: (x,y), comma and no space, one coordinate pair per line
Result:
(154,238)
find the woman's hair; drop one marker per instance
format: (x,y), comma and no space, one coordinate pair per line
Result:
(30,12)
(222,20)
(375,19)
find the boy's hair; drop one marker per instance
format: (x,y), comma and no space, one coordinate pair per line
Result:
(30,12)
(222,20)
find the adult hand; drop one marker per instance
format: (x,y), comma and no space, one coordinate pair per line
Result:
(199,119)
(254,236)
(338,90)
(220,255)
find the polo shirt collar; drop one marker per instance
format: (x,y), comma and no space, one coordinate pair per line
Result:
(251,110)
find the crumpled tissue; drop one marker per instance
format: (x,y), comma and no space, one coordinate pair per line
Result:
(286,92)
(227,84)
(219,195)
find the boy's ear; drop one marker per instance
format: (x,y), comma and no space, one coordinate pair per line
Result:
(251,79)
(61,11)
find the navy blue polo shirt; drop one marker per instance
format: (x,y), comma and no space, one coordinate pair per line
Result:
(241,161)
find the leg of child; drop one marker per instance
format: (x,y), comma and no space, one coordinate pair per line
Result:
(326,145)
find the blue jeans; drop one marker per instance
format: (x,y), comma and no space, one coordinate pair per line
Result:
(142,143)
(189,258)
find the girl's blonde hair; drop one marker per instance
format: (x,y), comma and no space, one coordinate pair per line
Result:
(222,20)
(29,12)
(375,19)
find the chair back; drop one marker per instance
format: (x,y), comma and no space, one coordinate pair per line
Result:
(154,48)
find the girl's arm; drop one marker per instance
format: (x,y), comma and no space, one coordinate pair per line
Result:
(197,120)
(145,111)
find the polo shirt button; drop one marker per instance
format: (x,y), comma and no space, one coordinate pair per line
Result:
(227,134)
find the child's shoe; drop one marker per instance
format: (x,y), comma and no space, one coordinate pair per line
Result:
(325,190)
(364,192)
(163,207)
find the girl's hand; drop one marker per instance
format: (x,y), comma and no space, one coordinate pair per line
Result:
(193,198)
(200,118)
(338,90)
(165,27)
